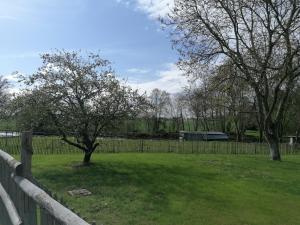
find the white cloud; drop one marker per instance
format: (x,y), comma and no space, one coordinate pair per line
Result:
(153,8)
(14,87)
(12,77)
(127,3)
(170,79)
(14,90)
(138,71)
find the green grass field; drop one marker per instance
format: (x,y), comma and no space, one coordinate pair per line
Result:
(177,189)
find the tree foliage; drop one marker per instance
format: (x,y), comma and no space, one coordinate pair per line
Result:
(260,37)
(81,97)
(159,101)
(4,97)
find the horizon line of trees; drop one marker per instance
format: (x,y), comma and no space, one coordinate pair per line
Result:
(209,105)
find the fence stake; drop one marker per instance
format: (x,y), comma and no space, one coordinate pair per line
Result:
(26,154)
(5,138)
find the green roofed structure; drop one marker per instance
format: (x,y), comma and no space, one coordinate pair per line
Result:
(202,136)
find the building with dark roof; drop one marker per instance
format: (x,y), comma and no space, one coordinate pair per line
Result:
(202,136)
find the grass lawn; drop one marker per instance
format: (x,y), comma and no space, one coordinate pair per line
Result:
(177,189)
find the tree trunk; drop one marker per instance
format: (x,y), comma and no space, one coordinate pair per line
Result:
(260,134)
(273,142)
(271,131)
(259,124)
(238,132)
(196,123)
(224,120)
(87,158)
(297,135)
(182,121)
(274,148)
(238,136)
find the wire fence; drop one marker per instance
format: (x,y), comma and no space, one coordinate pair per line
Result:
(54,145)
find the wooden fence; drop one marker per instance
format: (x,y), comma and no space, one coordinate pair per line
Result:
(24,203)
(54,145)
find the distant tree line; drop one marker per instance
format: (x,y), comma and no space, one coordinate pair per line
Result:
(259,40)
(219,102)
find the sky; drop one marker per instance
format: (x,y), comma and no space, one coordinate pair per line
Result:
(126,32)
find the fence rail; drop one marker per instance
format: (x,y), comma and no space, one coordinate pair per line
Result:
(54,145)
(24,203)
(8,211)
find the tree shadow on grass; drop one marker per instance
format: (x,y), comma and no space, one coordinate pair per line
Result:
(153,183)
(132,191)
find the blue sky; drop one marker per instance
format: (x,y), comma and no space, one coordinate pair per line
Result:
(124,31)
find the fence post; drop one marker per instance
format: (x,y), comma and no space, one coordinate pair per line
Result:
(26,154)
(5,138)
(142,145)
